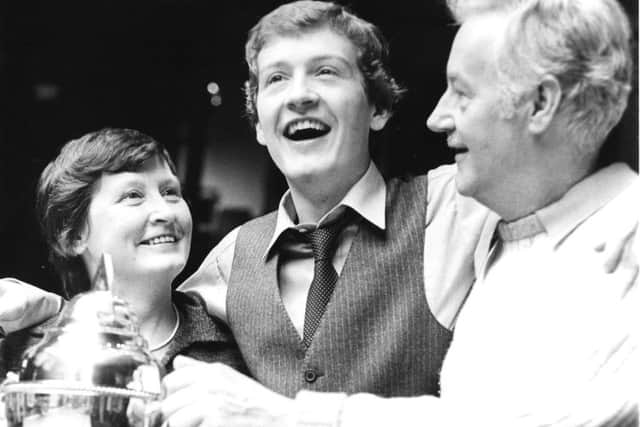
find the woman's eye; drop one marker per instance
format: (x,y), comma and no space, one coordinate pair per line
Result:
(132,195)
(172,193)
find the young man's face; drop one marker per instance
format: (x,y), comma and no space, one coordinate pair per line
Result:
(314,116)
(490,149)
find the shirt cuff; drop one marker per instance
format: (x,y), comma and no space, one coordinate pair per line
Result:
(313,409)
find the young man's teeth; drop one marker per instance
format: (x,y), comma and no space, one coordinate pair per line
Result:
(161,239)
(304,124)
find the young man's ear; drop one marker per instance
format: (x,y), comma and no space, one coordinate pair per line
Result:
(379,119)
(546,101)
(260,134)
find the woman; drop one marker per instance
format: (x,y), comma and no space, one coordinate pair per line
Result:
(116,191)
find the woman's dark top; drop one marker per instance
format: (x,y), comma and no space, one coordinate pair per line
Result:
(199,335)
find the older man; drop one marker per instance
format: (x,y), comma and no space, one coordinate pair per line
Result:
(545,337)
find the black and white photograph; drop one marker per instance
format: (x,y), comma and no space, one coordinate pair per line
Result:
(319,213)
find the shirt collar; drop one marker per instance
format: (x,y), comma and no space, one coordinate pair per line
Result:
(583,199)
(367,197)
(519,229)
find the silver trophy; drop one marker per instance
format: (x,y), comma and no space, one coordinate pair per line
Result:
(93,368)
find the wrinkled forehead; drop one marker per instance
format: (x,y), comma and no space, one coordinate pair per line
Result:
(476,45)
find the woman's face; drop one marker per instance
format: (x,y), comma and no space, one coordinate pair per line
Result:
(142,221)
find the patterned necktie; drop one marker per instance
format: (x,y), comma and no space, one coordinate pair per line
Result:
(323,243)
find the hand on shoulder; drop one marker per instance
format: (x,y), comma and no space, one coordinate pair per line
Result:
(25,305)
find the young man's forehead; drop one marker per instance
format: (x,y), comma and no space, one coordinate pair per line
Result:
(344,49)
(302,34)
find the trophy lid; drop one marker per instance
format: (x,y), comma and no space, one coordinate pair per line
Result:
(94,347)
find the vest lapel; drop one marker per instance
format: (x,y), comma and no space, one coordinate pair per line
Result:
(273,292)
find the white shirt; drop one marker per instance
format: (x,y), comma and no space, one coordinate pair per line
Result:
(545,337)
(453,226)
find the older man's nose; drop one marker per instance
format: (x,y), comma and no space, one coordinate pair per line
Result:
(440,119)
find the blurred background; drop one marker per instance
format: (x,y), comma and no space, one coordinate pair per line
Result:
(71,67)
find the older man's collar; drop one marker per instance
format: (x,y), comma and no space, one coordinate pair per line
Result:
(583,199)
(367,197)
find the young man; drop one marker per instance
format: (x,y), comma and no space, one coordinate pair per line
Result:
(546,337)
(318,85)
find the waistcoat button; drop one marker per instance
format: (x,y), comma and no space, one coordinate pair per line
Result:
(310,375)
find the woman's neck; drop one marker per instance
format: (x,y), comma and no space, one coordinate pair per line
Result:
(152,305)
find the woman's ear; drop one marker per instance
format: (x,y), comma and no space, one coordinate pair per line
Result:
(546,101)
(379,119)
(78,244)
(79,247)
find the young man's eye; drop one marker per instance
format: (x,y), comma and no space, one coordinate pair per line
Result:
(274,78)
(326,71)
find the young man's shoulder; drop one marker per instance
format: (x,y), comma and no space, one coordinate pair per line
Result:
(261,220)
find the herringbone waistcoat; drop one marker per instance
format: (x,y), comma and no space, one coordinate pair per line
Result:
(377,334)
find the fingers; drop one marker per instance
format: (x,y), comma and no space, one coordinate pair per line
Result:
(188,372)
(625,276)
(180,399)
(201,405)
(614,250)
(188,408)
(213,394)
(210,376)
(24,305)
(184,361)
(13,301)
(624,263)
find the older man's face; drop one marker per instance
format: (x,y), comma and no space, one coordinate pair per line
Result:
(490,149)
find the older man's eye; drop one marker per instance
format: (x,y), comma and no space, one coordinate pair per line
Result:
(274,78)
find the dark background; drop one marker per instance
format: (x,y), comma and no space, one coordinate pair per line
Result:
(70,67)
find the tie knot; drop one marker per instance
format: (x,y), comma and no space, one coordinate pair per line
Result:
(323,241)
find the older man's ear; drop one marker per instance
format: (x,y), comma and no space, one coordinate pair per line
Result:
(545,104)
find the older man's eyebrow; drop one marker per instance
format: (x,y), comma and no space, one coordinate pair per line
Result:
(458,81)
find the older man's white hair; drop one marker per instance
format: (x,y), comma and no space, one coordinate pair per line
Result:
(584,44)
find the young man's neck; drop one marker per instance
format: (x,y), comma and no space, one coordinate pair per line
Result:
(315,196)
